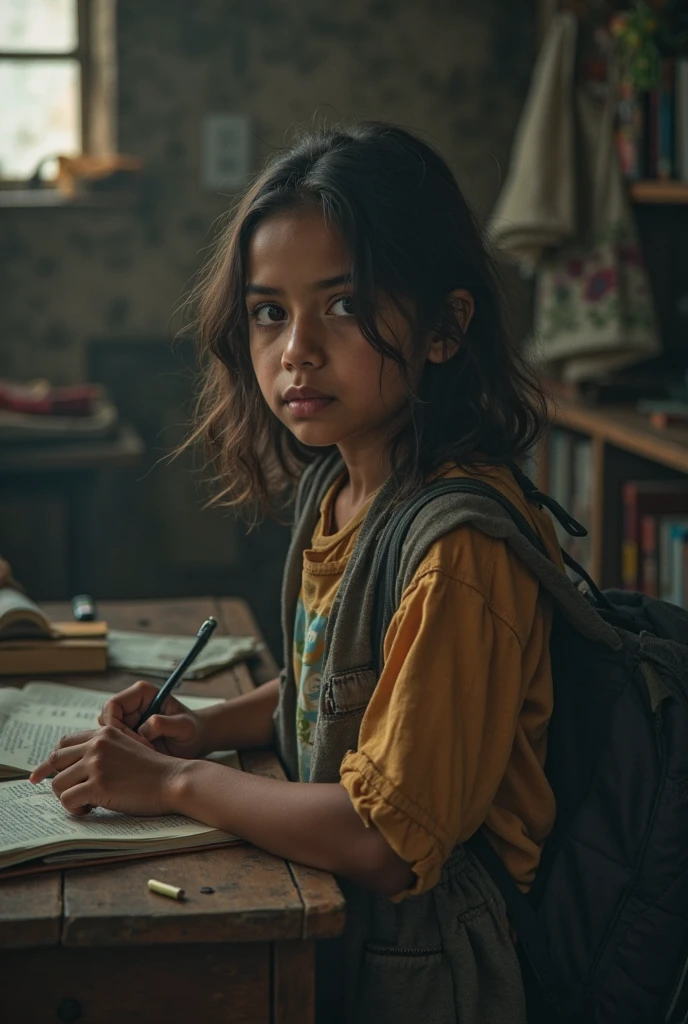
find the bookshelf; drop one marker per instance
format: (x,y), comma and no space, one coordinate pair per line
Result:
(607,446)
(657,191)
(623,446)
(626,429)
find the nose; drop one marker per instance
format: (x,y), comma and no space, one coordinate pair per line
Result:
(302,346)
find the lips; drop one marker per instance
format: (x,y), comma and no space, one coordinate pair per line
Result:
(302,394)
(304,403)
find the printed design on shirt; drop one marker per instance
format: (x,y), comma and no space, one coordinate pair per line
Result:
(309,651)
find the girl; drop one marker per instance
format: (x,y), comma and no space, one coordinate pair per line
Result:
(355,343)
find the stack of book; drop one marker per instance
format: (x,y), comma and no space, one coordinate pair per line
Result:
(655,541)
(30,642)
(652,127)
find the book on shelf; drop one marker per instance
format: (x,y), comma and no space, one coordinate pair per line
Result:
(31,643)
(652,127)
(629,127)
(640,498)
(679,574)
(649,556)
(664,412)
(666,146)
(682,118)
(560,471)
(581,498)
(570,483)
(662,557)
(671,573)
(35,830)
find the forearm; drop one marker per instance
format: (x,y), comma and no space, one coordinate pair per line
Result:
(313,824)
(242,723)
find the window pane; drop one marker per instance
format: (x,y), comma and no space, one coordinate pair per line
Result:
(49,25)
(39,113)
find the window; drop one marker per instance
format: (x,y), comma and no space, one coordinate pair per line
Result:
(56,82)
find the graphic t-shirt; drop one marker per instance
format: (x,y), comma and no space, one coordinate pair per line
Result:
(323,567)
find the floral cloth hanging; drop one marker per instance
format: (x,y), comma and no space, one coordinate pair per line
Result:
(564,215)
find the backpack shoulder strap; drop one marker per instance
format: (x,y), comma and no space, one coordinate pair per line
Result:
(387,561)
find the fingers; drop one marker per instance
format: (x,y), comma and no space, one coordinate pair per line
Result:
(77,799)
(136,736)
(60,758)
(177,727)
(69,777)
(72,739)
(126,708)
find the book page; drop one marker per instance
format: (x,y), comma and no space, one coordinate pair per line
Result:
(11,699)
(45,712)
(30,817)
(21,616)
(63,695)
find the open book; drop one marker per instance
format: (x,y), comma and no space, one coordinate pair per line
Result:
(30,642)
(20,617)
(33,823)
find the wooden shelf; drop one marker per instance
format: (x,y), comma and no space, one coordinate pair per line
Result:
(625,428)
(652,191)
(621,438)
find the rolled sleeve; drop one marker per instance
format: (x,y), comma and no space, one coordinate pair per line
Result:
(408,829)
(438,732)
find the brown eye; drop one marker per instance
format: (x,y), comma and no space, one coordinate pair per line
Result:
(267,314)
(343,306)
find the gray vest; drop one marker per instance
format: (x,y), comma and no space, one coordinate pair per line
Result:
(451,944)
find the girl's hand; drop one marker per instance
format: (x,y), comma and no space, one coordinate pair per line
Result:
(177,731)
(108,768)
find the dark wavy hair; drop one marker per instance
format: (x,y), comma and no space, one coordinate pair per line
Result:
(412,236)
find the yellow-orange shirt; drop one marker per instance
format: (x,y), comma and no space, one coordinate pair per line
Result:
(455,732)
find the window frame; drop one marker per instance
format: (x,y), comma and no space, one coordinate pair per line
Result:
(95,54)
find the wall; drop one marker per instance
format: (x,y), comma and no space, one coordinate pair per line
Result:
(77,279)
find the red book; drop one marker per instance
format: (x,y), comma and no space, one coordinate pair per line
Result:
(653,133)
(40,399)
(645,497)
(666,146)
(649,559)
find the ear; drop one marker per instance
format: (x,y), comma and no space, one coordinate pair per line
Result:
(441,349)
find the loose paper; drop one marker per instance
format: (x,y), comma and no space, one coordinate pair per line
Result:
(154,654)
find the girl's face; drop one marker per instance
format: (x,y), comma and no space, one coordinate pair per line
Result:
(315,369)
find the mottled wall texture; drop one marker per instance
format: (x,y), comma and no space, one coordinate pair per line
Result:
(77,280)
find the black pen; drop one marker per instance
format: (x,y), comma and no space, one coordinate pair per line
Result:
(168,686)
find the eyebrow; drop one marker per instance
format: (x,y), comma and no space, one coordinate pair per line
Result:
(327,282)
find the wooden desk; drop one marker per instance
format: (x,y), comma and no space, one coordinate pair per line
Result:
(93,945)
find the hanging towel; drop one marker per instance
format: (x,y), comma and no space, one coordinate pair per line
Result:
(563,214)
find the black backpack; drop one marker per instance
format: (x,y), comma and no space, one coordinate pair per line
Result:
(603,933)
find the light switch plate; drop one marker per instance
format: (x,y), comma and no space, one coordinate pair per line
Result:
(226,151)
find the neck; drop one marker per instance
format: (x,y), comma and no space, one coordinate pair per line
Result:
(367,468)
